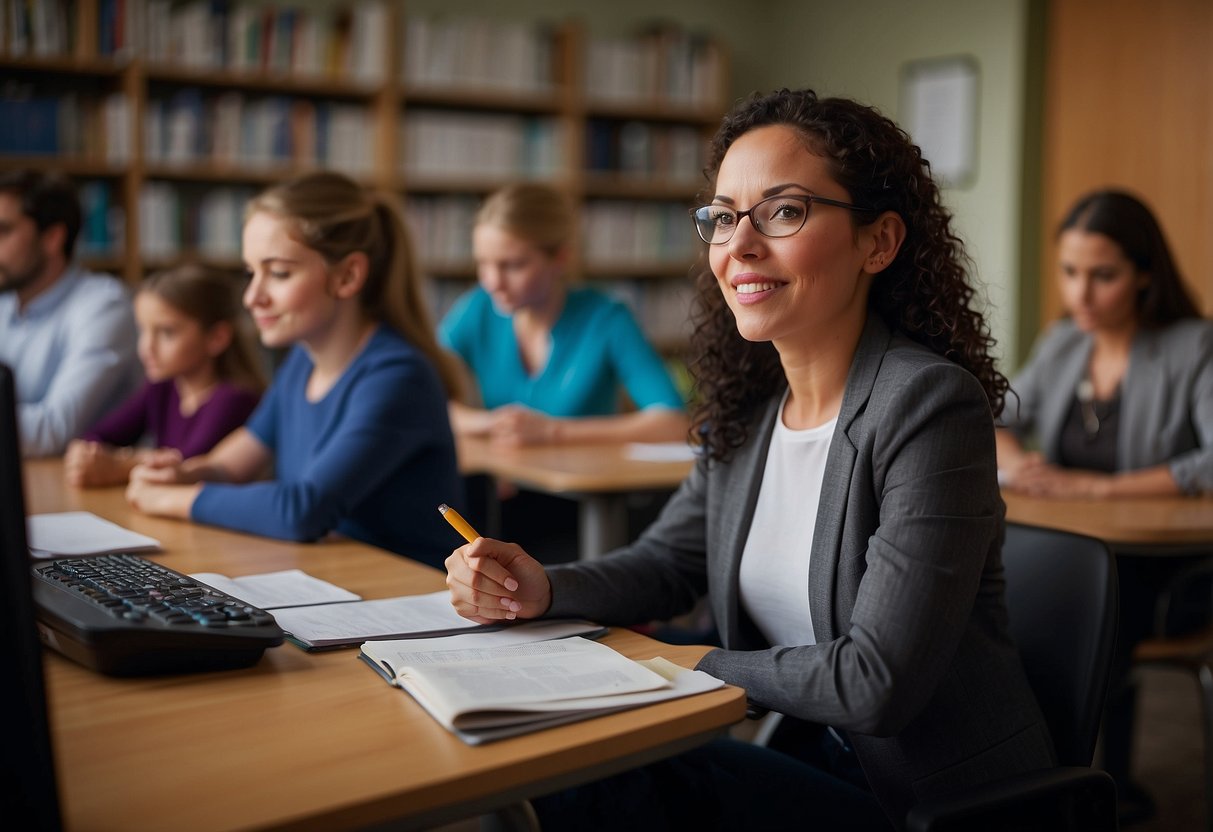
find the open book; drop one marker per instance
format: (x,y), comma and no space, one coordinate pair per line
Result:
(487,693)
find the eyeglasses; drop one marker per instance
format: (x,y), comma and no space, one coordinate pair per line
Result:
(776,216)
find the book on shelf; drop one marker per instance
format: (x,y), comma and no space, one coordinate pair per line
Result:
(487,692)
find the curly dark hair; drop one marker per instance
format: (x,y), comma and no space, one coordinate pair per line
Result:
(925,293)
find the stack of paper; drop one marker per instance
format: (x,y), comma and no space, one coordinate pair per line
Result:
(72,533)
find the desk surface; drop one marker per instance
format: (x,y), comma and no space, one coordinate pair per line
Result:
(570,469)
(1145,524)
(310,741)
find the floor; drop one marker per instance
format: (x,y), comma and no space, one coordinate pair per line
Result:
(1168,750)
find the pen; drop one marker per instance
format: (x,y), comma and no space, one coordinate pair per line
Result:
(460,525)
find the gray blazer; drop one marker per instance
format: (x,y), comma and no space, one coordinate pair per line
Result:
(905,583)
(1166,398)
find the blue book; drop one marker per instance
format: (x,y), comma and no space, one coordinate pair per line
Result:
(29,126)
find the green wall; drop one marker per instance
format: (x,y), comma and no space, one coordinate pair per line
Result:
(858,49)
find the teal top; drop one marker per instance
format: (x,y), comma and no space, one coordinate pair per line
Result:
(597,348)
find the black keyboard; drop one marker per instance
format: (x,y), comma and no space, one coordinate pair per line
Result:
(125,615)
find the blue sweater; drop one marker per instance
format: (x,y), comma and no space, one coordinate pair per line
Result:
(597,348)
(371,460)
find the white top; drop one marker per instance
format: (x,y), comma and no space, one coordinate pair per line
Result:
(72,352)
(775,564)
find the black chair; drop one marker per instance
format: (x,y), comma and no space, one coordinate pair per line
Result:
(1062,603)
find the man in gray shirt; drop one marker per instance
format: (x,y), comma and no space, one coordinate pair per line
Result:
(68,335)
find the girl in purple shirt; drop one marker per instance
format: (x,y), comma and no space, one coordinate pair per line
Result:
(203,378)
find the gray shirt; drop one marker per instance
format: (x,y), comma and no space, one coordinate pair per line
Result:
(1166,408)
(72,352)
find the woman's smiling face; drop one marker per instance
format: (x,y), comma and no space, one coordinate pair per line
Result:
(789,289)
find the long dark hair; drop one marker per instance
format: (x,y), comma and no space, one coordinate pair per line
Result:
(925,293)
(1126,221)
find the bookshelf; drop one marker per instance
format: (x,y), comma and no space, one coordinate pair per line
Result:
(171,114)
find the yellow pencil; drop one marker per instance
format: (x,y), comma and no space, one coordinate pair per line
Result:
(456,520)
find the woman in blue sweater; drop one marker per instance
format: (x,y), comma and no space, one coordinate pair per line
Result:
(353,436)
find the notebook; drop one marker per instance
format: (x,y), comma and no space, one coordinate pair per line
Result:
(27,779)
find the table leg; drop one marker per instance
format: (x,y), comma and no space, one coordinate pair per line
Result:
(602,524)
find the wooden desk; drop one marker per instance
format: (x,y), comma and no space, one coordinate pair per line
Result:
(311,741)
(599,477)
(1138,526)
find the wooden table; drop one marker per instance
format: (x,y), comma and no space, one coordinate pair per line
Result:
(311,741)
(599,477)
(1134,526)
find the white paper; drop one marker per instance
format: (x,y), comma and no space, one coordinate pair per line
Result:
(82,533)
(274,590)
(386,618)
(402,652)
(660,451)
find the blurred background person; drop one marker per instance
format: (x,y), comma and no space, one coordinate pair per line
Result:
(204,378)
(68,334)
(549,360)
(550,363)
(1117,400)
(353,431)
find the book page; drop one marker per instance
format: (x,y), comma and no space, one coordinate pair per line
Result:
(660,451)
(387,618)
(476,729)
(393,653)
(274,590)
(558,674)
(82,533)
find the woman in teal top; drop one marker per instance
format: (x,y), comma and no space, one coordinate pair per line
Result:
(549,361)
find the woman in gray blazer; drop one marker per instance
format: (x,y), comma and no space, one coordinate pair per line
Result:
(1117,400)
(844,518)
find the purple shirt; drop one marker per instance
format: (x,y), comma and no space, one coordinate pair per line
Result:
(155,412)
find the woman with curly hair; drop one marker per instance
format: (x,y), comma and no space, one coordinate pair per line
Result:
(845,518)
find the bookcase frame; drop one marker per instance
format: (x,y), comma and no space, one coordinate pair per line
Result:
(385,100)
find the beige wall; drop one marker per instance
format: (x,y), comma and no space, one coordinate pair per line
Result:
(857,48)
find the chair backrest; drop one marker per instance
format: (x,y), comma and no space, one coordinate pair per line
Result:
(1062,599)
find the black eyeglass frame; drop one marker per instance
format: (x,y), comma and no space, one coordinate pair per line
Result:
(809,199)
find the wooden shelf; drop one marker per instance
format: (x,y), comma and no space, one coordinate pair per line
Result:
(561,114)
(69,165)
(636,186)
(318,86)
(464,98)
(65,65)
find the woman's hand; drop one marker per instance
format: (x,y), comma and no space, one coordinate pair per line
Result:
(155,498)
(517,425)
(88,464)
(163,466)
(491,581)
(1041,479)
